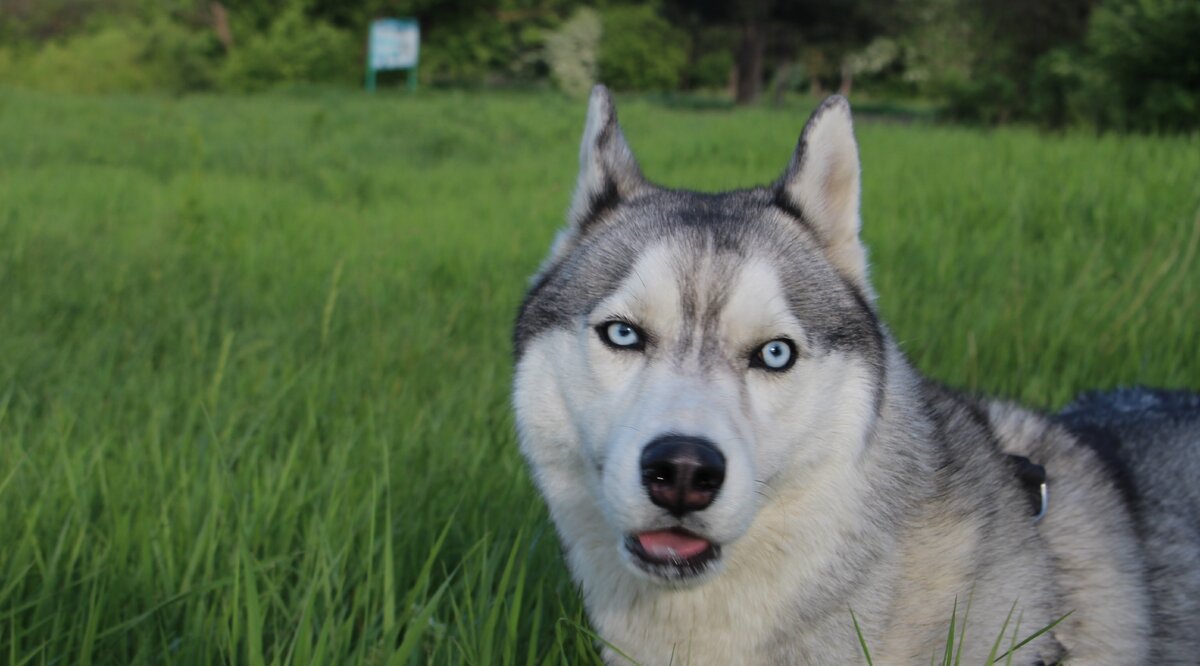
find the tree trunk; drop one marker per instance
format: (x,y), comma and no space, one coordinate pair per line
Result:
(750,62)
(781,83)
(220,21)
(847,79)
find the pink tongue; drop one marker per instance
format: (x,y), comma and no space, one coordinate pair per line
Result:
(669,544)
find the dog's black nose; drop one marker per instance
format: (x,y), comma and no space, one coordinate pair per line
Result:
(682,474)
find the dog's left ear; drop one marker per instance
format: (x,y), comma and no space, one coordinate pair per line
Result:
(821,188)
(608,171)
(608,174)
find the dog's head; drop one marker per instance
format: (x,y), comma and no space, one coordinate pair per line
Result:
(681,357)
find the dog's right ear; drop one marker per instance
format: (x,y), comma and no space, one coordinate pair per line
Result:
(608,172)
(821,188)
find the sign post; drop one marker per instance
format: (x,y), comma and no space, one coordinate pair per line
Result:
(393,44)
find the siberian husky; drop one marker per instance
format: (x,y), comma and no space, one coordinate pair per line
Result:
(737,455)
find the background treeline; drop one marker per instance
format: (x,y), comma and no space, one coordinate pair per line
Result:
(1107,64)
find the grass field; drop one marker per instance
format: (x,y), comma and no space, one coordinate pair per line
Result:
(254,352)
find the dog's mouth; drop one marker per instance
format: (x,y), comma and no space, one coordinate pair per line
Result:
(673,553)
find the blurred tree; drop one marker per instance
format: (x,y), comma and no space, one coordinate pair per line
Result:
(1129,64)
(641,50)
(833,28)
(572,52)
(1030,28)
(1149,52)
(1009,37)
(43,20)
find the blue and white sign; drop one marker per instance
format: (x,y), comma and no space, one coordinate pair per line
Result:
(394,44)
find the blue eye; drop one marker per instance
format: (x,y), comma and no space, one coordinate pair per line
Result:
(776,356)
(621,335)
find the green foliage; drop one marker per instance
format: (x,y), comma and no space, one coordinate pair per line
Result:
(1067,89)
(108,60)
(185,59)
(711,62)
(641,50)
(34,21)
(1149,51)
(294,49)
(987,97)
(938,46)
(878,67)
(465,52)
(572,51)
(1133,66)
(161,55)
(478,48)
(1106,64)
(711,69)
(256,349)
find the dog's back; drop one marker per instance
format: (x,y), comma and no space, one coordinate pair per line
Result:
(1150,441)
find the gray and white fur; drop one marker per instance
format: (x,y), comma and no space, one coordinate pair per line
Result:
(736,453)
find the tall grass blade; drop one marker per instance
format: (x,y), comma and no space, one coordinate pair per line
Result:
(991,658)
(1032,637)
(862,641)
(948,654)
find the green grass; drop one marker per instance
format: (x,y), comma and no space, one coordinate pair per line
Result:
(255,351)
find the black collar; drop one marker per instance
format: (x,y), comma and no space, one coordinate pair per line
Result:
(1033,479)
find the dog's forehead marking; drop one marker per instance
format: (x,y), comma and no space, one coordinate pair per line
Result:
(649,293)
(697,300)
(703,279)
(757,306)
(668,235)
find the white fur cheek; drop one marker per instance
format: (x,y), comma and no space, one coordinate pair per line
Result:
(603,390)
(544,426)
(821,408)
(570,394)
(613,371)
(737,502)
(550,396)
(572,386)
(562,418)
(628,506)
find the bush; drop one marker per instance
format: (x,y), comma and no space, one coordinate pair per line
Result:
(294,49)
(987,97)
(10,66)
(1056,82)
(109,60)
(464,52)
(183,59)
(938,48)
(1138,68)
(1068,89)
(479,49)
(712,69)
(640,50)
(130,58)
(571,52)
(1148,50)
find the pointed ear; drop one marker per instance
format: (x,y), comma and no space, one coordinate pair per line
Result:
(608,172)
(821,188)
